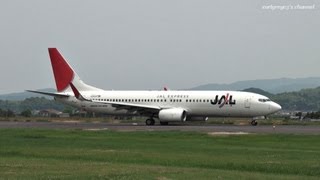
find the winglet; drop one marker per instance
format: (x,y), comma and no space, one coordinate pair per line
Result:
(77,93)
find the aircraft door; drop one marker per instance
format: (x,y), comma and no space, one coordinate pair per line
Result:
(247,102)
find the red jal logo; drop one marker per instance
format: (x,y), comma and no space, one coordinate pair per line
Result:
(223,100)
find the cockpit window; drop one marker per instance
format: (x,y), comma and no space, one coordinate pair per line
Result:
(264,100)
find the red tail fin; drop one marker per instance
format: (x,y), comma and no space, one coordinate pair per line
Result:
(63,73)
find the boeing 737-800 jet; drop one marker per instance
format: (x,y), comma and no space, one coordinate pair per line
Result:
(166,106)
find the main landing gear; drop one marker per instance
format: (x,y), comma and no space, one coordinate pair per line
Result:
(254,123)
(150,122)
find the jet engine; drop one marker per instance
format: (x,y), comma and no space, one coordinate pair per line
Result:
(171,115)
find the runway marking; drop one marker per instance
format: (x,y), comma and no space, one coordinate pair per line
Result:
(227,133)
(96,129)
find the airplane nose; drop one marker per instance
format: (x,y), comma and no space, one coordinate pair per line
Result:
(275,107)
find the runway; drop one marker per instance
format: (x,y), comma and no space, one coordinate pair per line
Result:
(260,129)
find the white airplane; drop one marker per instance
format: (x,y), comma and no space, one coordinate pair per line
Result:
(166,106)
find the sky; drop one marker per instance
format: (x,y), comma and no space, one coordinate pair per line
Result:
(148,44)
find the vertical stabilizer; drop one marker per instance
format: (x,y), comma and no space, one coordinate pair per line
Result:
(64,74)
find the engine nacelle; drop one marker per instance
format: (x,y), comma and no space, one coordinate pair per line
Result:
(197,118)
(174,114)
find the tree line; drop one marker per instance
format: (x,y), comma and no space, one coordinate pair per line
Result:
(303,100)
(307,100)
(29,104)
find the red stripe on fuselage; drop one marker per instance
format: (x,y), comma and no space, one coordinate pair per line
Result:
(63,73)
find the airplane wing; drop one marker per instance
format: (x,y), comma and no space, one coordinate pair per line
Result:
(49,94)
(142,109)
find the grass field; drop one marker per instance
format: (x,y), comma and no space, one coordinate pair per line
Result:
(78,154)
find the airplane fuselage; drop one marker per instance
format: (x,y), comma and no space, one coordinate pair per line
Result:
(196,103)
(167,106)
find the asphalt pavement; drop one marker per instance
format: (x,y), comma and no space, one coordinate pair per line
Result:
(264,129)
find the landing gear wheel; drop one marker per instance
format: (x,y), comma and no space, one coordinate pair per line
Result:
(150,122)
(164,123)
(254,123)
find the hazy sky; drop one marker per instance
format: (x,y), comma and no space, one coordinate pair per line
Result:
(146,44)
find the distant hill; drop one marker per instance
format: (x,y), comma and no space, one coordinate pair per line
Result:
(303,100)
(271,85)
(259,91)
(23,95)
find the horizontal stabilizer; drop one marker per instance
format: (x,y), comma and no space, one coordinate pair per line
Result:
(49,94)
